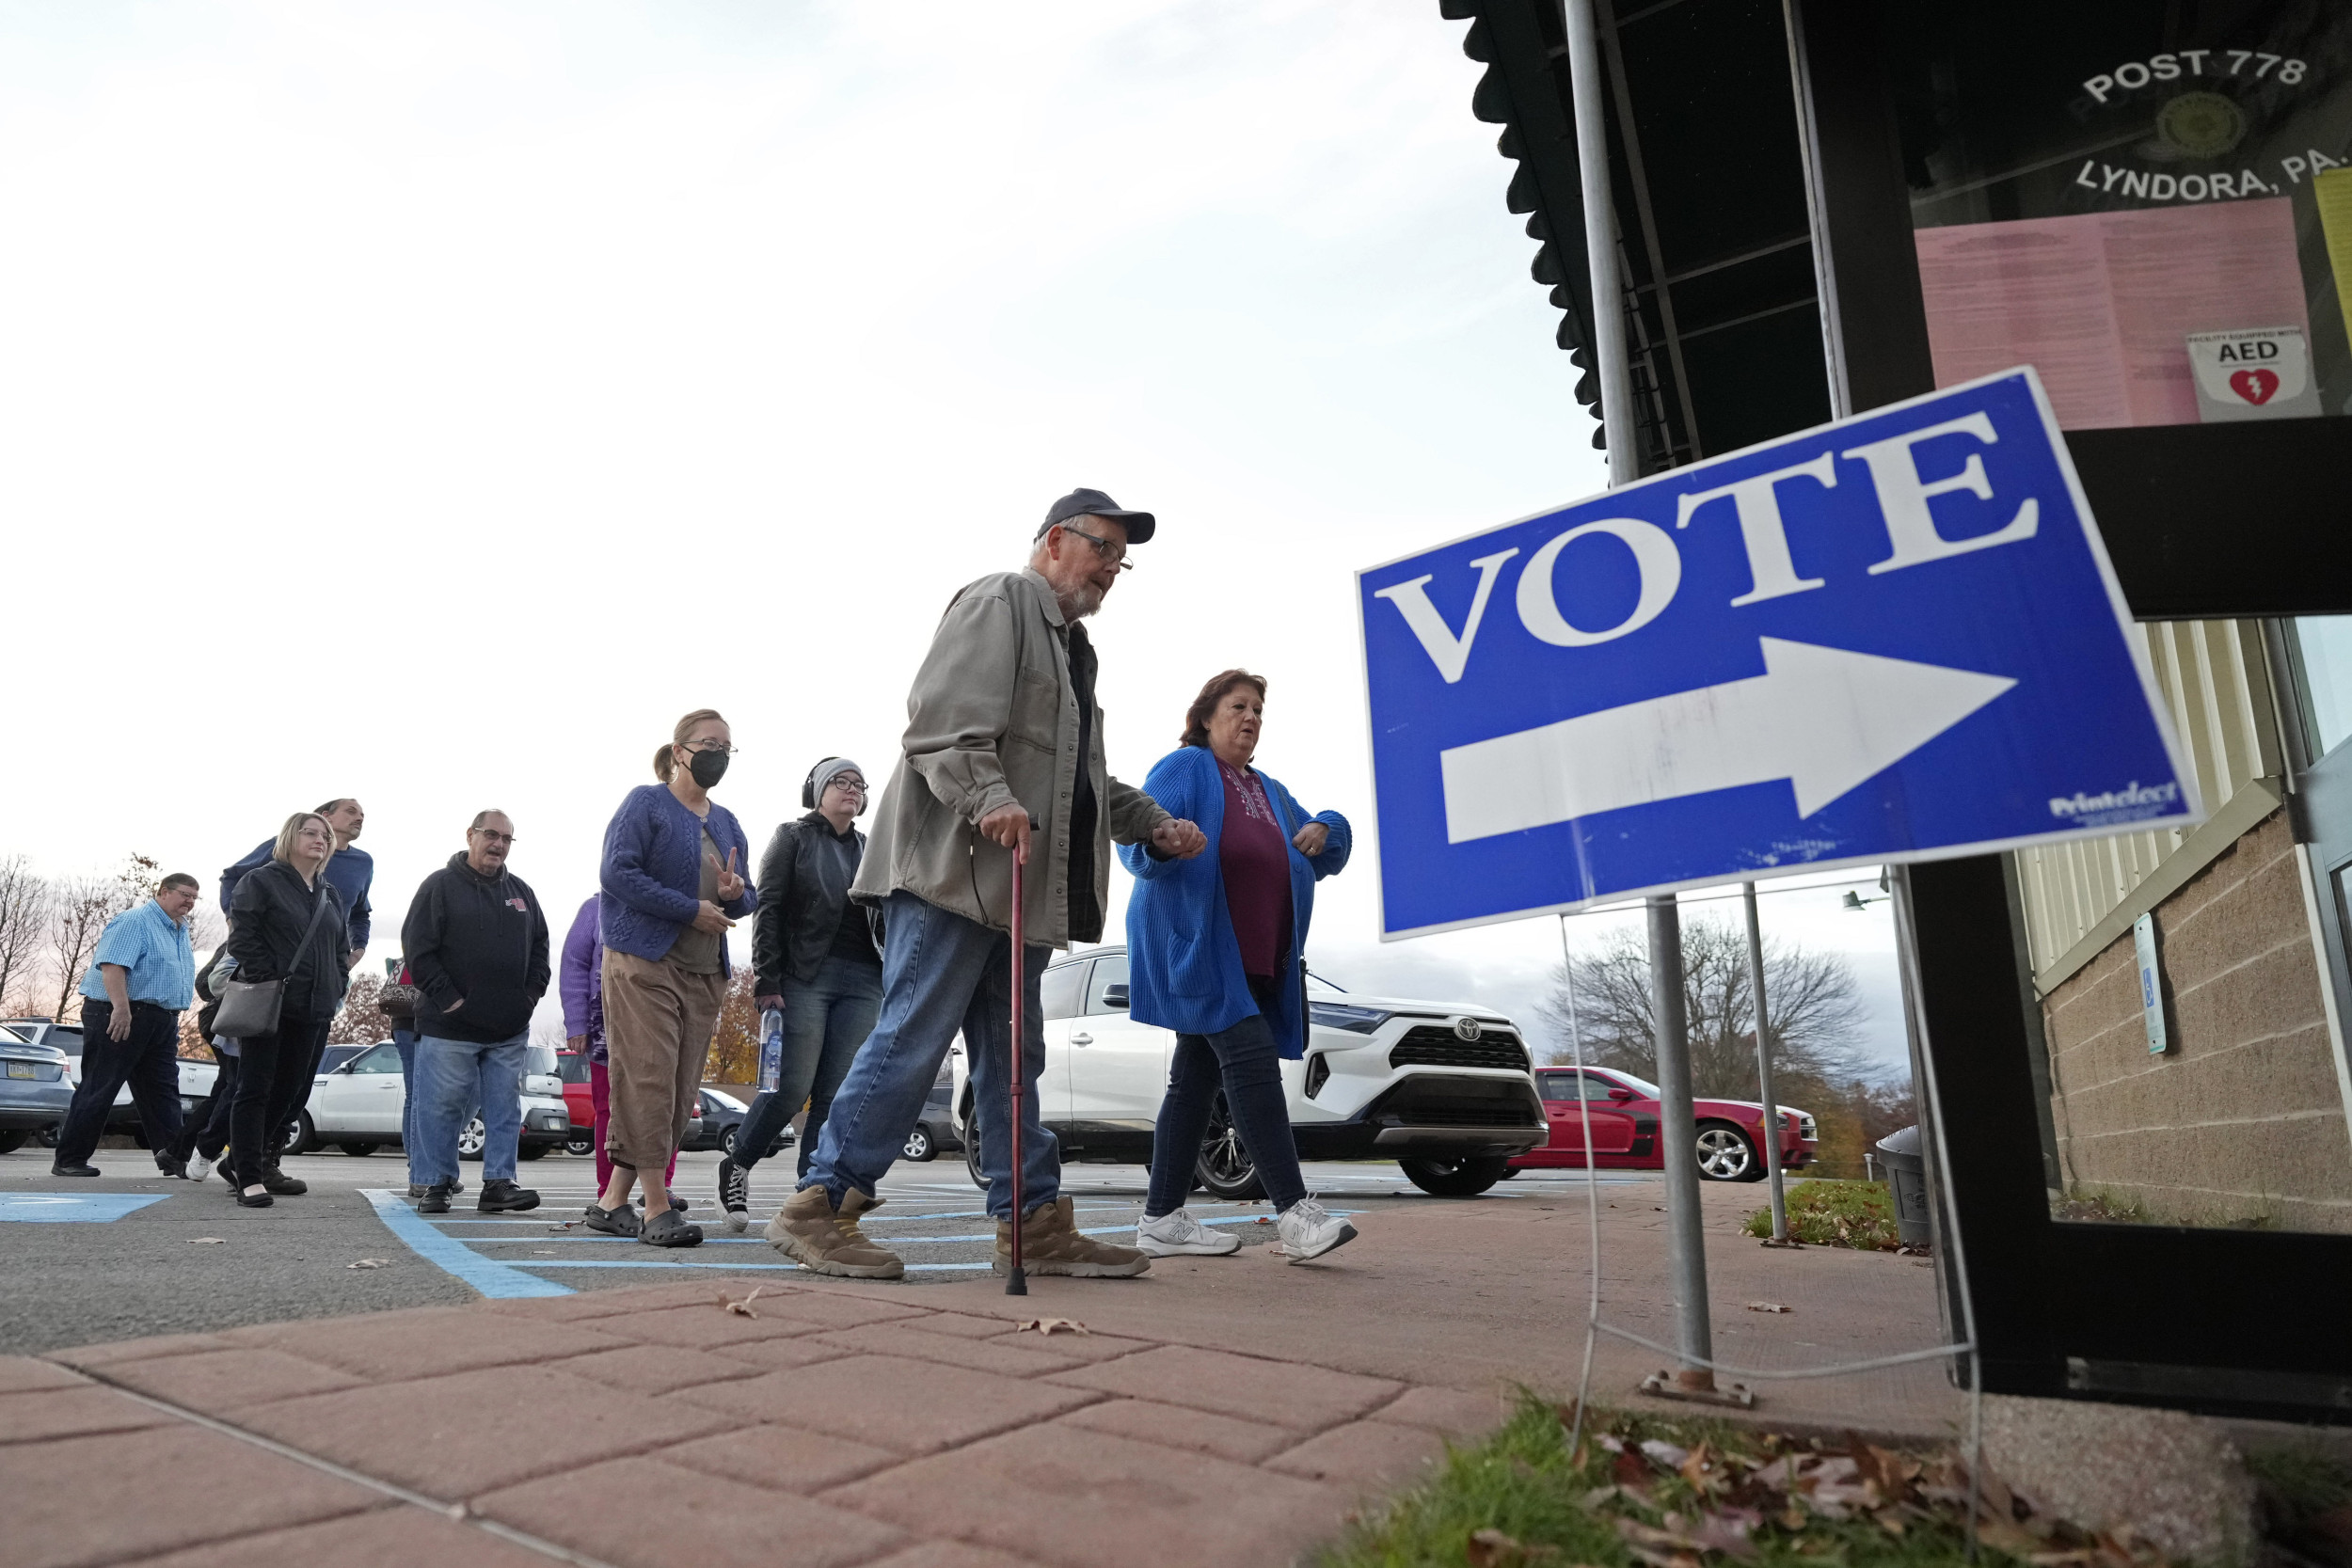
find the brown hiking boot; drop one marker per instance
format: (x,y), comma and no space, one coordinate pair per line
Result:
(1050,1244)
(810,1231)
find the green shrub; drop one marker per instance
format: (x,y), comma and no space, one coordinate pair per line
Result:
(1837,1214)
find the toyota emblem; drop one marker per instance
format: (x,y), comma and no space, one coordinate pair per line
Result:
(1468,1028)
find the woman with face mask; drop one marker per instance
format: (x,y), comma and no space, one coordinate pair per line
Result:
(673,884)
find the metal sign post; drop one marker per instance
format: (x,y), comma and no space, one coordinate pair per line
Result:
(1764,1068)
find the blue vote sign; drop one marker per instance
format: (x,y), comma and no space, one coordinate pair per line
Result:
(1894,638)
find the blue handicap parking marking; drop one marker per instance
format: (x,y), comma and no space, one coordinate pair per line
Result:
(1890,638)
(72,1208)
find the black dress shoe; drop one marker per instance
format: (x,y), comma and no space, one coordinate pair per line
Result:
(283,1186)
(435,1201)
(254,1201)
(73,1170)
(503,1197)
(177,1169)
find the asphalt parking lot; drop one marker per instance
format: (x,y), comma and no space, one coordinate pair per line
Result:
(134,1253)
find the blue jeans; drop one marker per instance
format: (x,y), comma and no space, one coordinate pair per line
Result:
(942,973)
(404,1041)
(1245,1059)
(453,1077)
(826,1018)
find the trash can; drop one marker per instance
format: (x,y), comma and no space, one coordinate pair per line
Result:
(1907,1176)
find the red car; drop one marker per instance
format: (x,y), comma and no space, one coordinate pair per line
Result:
(1621,1111)
(578,1099)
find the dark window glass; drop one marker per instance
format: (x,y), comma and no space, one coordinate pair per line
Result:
(382,1059)
(1062,989)
(1109,970)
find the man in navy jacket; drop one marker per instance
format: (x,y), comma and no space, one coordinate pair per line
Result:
(351,869)
(476,944)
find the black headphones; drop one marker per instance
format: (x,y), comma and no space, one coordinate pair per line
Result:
(808,791)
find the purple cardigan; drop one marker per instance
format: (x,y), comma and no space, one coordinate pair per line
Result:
(652,872)
(581,981)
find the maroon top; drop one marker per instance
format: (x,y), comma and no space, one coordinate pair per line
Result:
(1254,855)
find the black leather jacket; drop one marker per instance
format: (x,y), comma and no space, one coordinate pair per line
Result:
(803,885)
(266,918)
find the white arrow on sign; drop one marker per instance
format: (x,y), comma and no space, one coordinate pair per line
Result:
(1824,719)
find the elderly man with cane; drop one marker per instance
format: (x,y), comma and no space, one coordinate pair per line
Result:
(1002,758)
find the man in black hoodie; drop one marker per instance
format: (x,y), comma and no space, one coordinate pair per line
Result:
(476,944)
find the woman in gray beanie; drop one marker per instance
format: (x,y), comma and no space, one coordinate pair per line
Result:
(817,958)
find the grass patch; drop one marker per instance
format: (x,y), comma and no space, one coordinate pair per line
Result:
(1649,1493)
(1837,1214)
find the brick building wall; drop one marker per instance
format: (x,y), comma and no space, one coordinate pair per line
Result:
(2240,1120)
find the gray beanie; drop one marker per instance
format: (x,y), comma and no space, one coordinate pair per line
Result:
(823,774)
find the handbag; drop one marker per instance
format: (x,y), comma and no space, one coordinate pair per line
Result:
(397,1000)
(249,1008)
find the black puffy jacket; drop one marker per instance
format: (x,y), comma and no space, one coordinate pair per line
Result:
(479,940)
(803,886)
(266,919)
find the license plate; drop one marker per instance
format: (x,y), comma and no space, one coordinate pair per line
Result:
(20,1069)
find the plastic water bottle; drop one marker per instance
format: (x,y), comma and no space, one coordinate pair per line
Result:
(770,1049)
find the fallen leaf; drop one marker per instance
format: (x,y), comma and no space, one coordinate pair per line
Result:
(1768,1307)
(370,1263)
(204,1240)
(1666,1455)
(741,1308)
(1054,1325)
(1701,1470)
(566,1225)
(1492,1548)
(1262,1219)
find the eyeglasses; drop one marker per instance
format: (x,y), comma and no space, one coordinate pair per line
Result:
(848,786)
(1104,548)
(490,836)
(719,746)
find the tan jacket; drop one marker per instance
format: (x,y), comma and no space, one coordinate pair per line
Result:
(992,720)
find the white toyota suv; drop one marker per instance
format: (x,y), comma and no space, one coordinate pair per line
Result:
(1442,1088)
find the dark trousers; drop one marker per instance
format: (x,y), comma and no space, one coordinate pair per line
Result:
(148,1060)
(826,1018)
(207,1131)
(1245,1059)
(273,1082)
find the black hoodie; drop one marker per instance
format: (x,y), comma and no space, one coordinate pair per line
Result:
(479,940)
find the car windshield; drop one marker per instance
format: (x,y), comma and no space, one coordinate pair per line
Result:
(9,1037)
(541,1059)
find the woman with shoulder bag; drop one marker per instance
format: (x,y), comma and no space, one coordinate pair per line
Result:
(286,932)
(1214,952)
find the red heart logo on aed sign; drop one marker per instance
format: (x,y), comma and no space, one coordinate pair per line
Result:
(2255,387)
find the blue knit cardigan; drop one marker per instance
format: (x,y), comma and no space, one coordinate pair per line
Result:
(652,872)
(1183,963)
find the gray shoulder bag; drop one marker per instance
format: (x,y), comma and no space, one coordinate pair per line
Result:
(249,1008)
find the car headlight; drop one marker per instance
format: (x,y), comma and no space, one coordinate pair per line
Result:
(1341,1015)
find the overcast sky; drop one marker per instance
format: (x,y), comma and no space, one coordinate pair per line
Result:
(431,402)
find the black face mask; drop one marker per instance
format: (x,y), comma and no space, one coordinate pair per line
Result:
(708,767)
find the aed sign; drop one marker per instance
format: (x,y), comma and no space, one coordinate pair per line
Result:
(1895,638)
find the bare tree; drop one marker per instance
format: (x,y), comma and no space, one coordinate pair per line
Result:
(24,926)
(78,912)
(1813,1003)
(362,1020)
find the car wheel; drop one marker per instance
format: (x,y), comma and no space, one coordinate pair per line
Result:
(1727,1154)
(1224,1166)
(726,1143)
(300,1135)
(13,1140)
(1510,1171)
(359,1150)
(918,1145)
(581,1144)
(469,1141)
(531,1151)
(47,1136)
(1454,1176)
(972,1152)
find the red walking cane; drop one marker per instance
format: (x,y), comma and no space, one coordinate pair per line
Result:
(1017,1283)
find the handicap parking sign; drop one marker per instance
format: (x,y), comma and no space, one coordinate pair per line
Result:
(1893,637)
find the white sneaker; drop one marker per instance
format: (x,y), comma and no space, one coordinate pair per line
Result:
(1171,1235)
(199,1166)
(1309,1230)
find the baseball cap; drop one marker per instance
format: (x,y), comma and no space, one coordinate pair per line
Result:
(1083,503)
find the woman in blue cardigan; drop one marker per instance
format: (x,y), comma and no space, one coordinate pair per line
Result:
(1214,948)
(673,884)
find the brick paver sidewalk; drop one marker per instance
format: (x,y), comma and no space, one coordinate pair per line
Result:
(653,1427)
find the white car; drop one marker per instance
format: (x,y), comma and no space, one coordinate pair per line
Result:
(1445,1089)
(357,1107)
